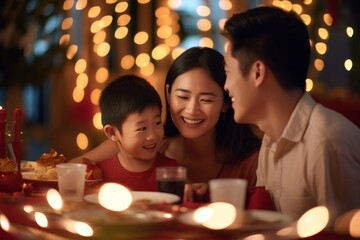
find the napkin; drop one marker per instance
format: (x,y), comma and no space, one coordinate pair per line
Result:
(259,198)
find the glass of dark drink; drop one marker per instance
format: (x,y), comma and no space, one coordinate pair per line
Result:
(171,180)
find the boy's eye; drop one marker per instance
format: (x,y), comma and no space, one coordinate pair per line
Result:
(141,129)
(158,123)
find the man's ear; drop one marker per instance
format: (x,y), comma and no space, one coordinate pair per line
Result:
(259,69)
(110,132)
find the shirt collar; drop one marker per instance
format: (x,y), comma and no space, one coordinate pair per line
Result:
(298,121)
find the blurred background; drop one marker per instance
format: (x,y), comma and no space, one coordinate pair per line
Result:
(57,56)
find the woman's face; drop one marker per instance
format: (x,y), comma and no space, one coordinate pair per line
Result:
(196,102)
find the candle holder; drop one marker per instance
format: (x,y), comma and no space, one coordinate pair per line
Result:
(10,175)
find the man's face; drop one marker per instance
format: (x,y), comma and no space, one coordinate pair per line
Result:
(239,87)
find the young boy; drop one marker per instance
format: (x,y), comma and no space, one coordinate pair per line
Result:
(131,116)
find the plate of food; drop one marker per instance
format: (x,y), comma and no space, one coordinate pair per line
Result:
(44,175)
(248,221)
(27,166)
(142,197)
(30,177)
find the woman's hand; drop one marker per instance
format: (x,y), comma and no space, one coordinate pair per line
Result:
(195,191)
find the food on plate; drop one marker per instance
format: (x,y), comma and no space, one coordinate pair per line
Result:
(93,172)
(45,167)
(7,165)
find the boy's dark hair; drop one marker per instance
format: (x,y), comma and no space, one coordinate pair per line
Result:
(125,95)
(278,38)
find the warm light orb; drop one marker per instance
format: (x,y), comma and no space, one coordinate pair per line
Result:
(206,42)
(101,75)
(64,40)
(160,51)
(225,5)
(41,219)
(78,94)
(4,223)
(83,229)
(350,31)
(127,62)
(348,64)
(71,51)
(82,141)
(306,18)
(313,221)
(323,33)
(255,237)
(284,232)
(67,23)
(202,214)
(121,32)
(203,11)
(103,49)
(164,31)
(319,64)
(94,12)
(204,24)
(148,70)
(328,20)
(97,121)
(218,215)
(99,37)
(82,80)
(141,38)
(54,199)
(121,7)
(142,60)
(95,96)
(309,84)
(123,20)
(80,4)
(321,48)
(80,66)
(114,196)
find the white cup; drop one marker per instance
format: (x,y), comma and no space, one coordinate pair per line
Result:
(71,180)
(229,190)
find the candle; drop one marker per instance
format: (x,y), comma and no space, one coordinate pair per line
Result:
(16,139)
(2,133)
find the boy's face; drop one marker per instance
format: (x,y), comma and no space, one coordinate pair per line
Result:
(141,134)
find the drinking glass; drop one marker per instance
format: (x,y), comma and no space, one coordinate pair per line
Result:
(71,180)
(229,190)
(171,180)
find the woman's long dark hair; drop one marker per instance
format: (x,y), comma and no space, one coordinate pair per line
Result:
(236,141)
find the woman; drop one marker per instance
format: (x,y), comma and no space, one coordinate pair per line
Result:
(200,130)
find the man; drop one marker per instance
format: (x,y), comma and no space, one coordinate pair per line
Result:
(310,154)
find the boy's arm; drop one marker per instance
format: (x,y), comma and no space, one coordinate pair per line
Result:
(105,150)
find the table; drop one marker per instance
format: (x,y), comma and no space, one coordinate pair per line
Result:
(24,227)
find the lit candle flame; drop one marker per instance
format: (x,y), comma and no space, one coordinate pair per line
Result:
(41,219)
(313,221)
(218,215)
(4,223)
(54,199)
(114,196)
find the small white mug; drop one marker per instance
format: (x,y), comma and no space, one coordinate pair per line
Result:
(229,190)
